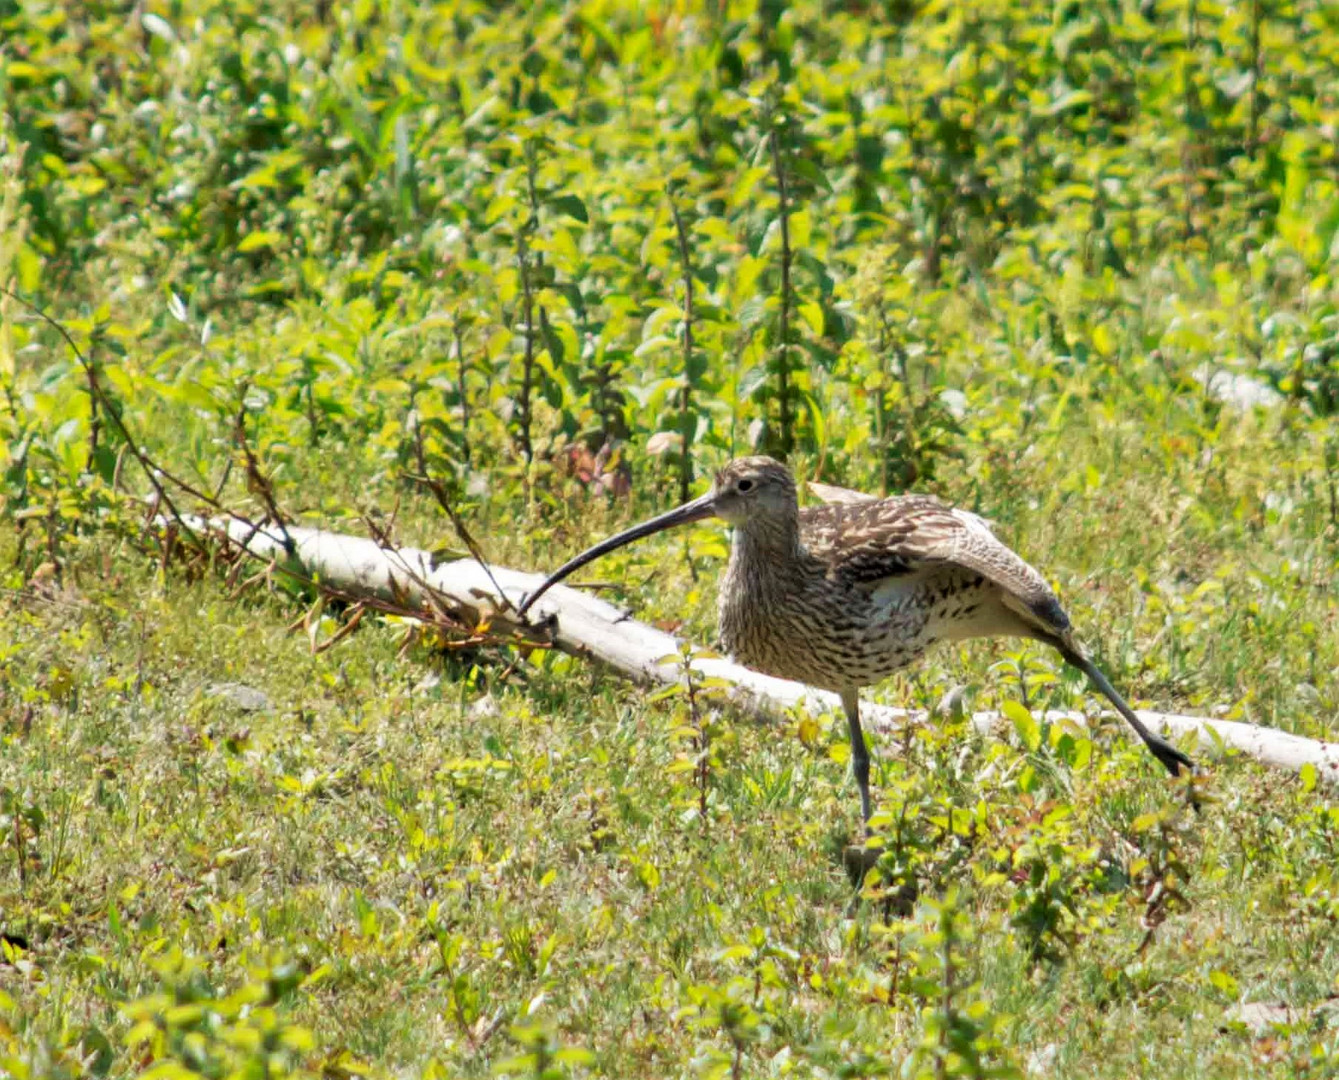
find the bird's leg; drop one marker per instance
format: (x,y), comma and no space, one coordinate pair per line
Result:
(1173,760)
(859,752)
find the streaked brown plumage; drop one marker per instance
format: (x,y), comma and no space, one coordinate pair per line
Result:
(842,595)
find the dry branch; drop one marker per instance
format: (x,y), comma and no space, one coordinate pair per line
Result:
(589,627)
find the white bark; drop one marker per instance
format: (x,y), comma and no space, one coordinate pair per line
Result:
(586,626)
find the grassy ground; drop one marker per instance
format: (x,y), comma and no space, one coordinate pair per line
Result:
(367,241)
(463,871)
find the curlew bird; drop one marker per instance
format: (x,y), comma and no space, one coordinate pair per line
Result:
(842,595)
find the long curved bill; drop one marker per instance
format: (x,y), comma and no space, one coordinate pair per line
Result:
(697,510)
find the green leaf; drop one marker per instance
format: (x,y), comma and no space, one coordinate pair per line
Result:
(1025,724)
(256,240)
(29,266)
(571,206)
(189,393)
(516,1064)
(810,171)
(1064,102)
(812,313)
(552,341)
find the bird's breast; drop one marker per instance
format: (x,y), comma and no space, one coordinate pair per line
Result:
(814,630)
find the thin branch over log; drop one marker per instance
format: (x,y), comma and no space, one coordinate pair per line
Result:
(589,627)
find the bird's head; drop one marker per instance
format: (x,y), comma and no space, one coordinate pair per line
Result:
(750,488)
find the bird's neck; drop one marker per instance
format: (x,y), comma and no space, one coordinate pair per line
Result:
(768,544)
(767,568)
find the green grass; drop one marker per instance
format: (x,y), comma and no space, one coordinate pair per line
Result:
(442,869)
(1020,235)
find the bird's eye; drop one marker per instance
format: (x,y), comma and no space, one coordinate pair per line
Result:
(744,485)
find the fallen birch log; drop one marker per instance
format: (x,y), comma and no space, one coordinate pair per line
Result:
(586,626)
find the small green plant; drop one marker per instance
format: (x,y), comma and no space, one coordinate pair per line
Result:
(959,1033)
(734,1011)
(698,724)
(21,824)
(1047,874)
(1161,871)
(542,1056)
(190,1027)
(918,836)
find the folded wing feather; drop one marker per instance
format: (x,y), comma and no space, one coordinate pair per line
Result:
(868,544)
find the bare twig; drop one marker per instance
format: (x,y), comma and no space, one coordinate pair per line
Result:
(1191,113)
(94,419)
(787,439)
(528,367)
(458,332)
(685,391)
(256,481)
(352,624)
(439,493)
(18,849)
(223,480)
(439,615)
(527,266)
(1257,71)
(443,497)
(151,470)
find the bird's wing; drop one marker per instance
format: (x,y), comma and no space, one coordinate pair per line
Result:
(872,544)
(831,493)
(903,543)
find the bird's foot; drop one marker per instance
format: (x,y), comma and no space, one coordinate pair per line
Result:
(898,901)
(859,860)
(1173,760)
